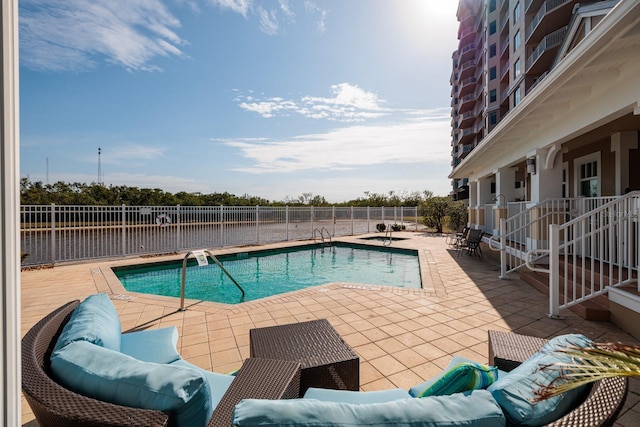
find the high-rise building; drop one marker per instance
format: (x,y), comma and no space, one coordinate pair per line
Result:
(506,47)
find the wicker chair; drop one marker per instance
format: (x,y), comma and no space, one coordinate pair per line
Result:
(54,405)
(600,407)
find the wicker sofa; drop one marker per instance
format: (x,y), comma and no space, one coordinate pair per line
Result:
(55,405)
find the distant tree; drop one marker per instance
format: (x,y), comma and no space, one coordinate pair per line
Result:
(458,214)
(435,211)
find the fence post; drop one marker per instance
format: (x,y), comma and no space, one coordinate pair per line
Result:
(124,230)
(178,234)
(554,271)
(53,233)
(286,220)
(221,225)
(352,220)
(311,213)
(503,249)
(257,224)
(333,214)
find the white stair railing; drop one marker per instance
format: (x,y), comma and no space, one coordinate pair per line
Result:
(593,252)
(520,233)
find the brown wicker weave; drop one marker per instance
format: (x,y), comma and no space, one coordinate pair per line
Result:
(601,406)
(327,361)
(54,405)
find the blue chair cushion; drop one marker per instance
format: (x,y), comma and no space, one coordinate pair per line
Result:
(460,375)
(110,376)
(348,396)
(94,320)
(154,345)
(474,409)
(218,383)
(516,390)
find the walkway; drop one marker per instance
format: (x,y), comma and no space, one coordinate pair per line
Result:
(402,336)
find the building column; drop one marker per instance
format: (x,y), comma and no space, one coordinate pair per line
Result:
(546,183)
(505,192)
(621,143)
(473,203)
(546,175)
(484,197)
(10,368)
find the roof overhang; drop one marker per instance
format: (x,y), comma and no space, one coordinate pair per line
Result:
(596,82)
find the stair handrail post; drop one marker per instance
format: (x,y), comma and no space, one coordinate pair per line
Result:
(554,271)
(503,250)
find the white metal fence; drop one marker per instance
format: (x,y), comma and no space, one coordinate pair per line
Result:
(53,233)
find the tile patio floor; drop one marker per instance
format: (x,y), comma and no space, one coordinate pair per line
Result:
(402,336)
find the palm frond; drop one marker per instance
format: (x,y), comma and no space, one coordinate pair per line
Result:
(589,364)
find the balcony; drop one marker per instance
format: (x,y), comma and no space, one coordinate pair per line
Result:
(468,51)
(467,69)
(467,102)
(467,135)
(551,16)
(543,55)
(466,149)
(467,118)
(466,86)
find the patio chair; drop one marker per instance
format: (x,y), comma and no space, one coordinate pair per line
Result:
(471,243)
(55,405)
(454,239)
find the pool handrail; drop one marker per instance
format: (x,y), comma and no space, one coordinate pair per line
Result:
(184,275)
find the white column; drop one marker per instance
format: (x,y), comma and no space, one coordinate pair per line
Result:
(546,182)
(506,185)
(505,192)
(621,143)
(484,197)
(10,413)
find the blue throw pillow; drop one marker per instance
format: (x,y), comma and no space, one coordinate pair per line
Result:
(516,391)
(460,375)
(94,320)
(113,377)
(154,345)
(474,409)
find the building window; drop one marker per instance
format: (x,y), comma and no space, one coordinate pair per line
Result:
(492,50)
(493,95)
(516,69)
(516,12)
(492,5)
(492,73)
(492,27)
(516,41)
(517,95)
(493,118)
(589,179)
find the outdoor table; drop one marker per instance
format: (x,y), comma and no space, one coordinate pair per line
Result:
(326,360)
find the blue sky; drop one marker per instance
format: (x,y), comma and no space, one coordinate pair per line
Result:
(261,97)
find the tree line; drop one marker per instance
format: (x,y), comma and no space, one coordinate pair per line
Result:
(436,211)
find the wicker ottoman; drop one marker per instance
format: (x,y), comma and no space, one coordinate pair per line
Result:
(326,360)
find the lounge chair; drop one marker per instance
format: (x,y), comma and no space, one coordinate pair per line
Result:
(56,405)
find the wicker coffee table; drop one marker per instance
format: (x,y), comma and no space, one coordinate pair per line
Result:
(326,360)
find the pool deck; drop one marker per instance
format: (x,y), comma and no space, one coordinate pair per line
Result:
(403,336)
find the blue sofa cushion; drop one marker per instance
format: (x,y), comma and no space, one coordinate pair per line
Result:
(154,345)
(94,320)
(348,396)
(218,383)
(474,409)
(460,375)
(516,390)
(111,376)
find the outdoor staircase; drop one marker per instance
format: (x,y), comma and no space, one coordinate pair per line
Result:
(596,309)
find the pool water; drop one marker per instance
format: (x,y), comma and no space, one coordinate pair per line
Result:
(266,273)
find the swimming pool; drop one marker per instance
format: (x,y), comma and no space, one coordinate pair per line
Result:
(271,272)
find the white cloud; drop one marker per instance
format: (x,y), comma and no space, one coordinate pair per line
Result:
(74,35)
(415,140)
(349,103)
(238,6)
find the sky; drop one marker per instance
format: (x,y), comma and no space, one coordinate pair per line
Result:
(267,98)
